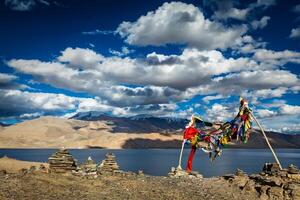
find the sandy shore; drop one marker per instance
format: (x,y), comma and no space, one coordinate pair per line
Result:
(12,165)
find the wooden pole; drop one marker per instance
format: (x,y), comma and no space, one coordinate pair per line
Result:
(180,156)
(264,134)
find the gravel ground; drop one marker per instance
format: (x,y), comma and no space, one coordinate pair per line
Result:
(43,186)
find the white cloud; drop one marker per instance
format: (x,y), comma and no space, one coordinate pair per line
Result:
(259,24)
(276,57)
(97,32)
(124,51)
(263,3)
(31,115)
(7,82)
(266,93)
(220,113)
(29,104)
(233,13)
(289,109)
(80,58)
(207,99)
(264,113)
(24,5)
(236,83)
(296,9)
(295,33)
(248,45)
(158,78)
(20,5)
(4,78)
(179,23)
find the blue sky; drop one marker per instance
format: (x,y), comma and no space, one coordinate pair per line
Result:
(163,58)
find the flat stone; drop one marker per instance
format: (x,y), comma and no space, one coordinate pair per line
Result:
(240,172)
(292,169)
(275,193)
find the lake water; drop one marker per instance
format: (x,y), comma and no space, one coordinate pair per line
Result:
(159,161)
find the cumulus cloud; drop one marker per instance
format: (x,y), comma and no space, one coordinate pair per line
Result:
(295,33)
(7,82)
(159,78)
(179,23)
(220,113)
(238,83)
(247,44)
(296,9)
(264,113)
(289,109)
(233,13)
(26,105)
(228,9)
(277,57)
(80,58)
(172,73)
(207,99)
(24,5)
(16,102)
(124,51)
(20,5)
(262,3)
(259,24)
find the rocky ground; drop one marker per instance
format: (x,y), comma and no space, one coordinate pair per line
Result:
(55,186)
(64,179)
(36,184)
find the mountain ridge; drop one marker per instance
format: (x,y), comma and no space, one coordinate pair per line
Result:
(116,133)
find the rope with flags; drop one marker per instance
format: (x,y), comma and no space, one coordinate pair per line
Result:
(239,129)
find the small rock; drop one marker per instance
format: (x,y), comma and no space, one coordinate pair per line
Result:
(141,173)
(32,169)
(293,189)
(249,186)
(3,172)
(23,171)
(240,172)
(292,169)
(275,193)
(271,168)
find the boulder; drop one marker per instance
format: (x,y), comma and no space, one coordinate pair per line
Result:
(271,168)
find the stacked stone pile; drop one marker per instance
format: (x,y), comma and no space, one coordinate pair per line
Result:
(271,183)
(108,165)
(180,173)
(89,167)
(62,161)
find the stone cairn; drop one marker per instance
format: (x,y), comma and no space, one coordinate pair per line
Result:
(89,168)
(62,161)
(180,173)
(108,165)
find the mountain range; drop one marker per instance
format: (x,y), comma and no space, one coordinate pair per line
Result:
(100,130)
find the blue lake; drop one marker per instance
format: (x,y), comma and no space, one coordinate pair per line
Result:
(159,161)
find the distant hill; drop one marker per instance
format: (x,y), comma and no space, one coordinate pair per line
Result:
(277,140)
(98,130)
(136,124)
(2,125)
(53,132)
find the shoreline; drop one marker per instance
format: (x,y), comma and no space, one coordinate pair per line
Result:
(103,148)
